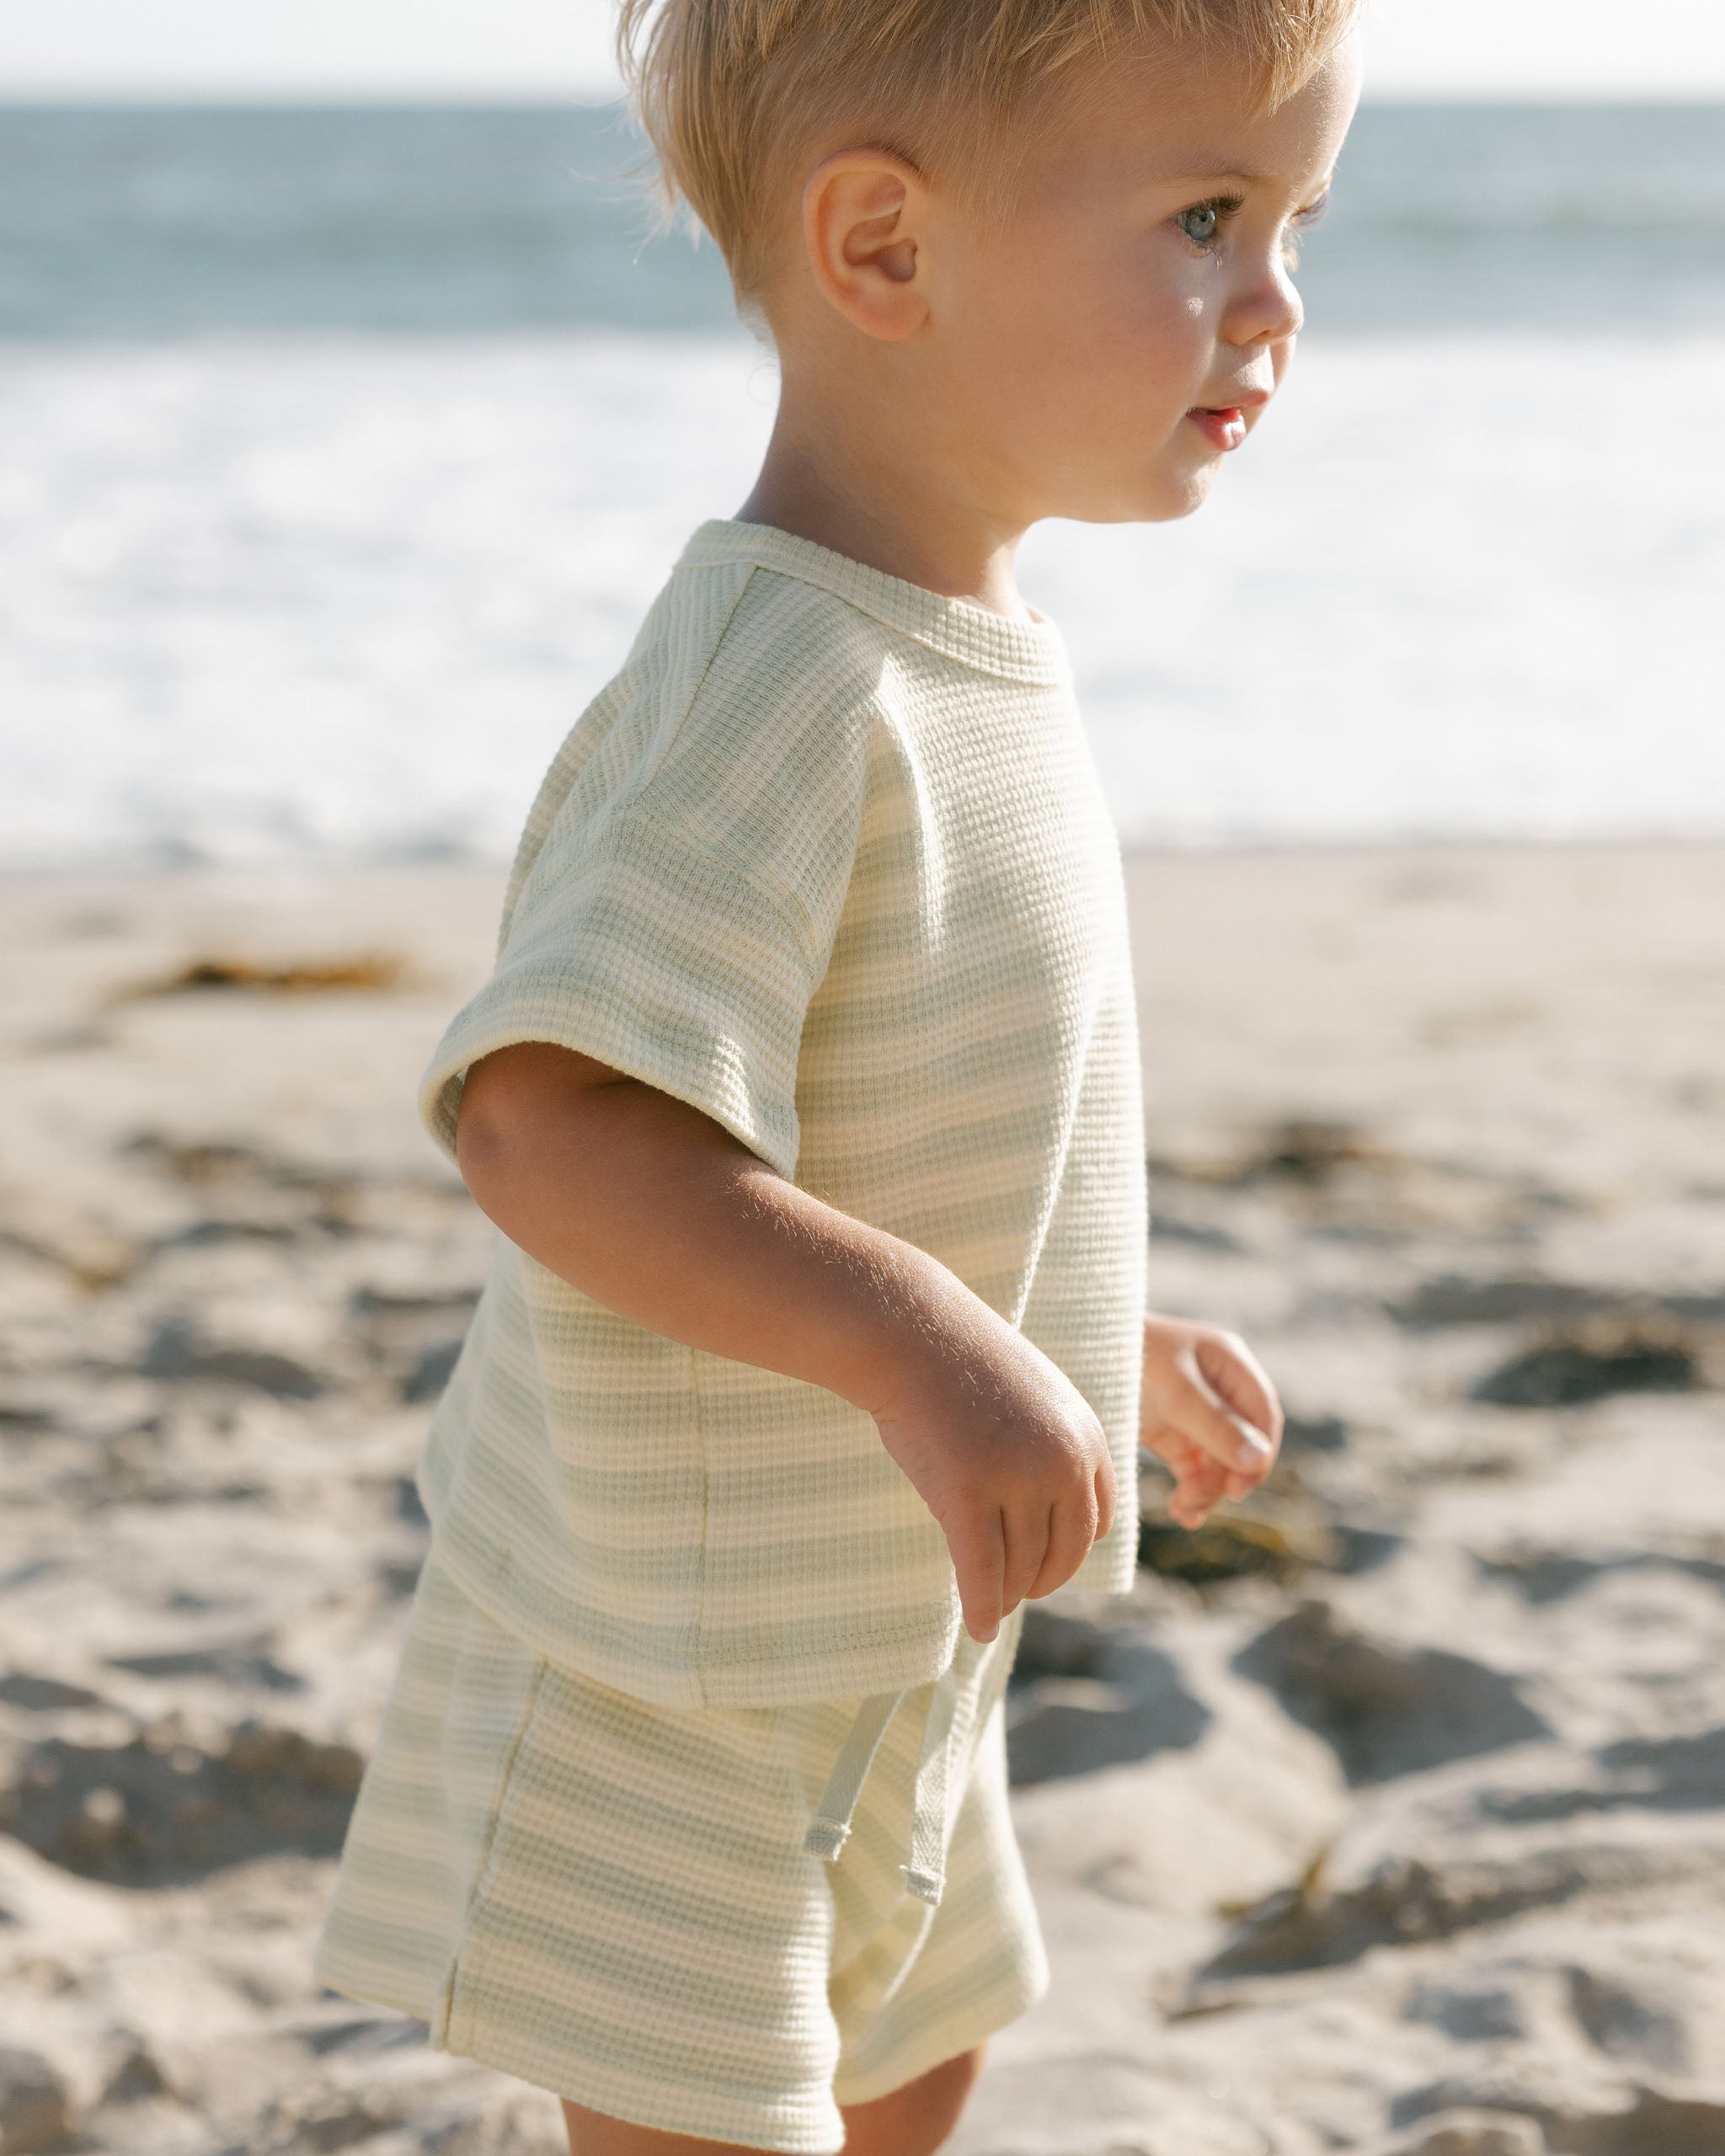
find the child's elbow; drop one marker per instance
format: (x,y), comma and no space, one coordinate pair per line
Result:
(482,1142)
(494,1120)
(519,1107)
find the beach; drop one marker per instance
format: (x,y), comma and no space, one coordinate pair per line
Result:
(1383,1816)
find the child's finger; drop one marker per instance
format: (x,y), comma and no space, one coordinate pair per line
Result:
(1105,1497)
(1217,1430)
(978,1544)
(1030,1545)
(1241,1383)
(1200,1486)
(1069,1539)
(1173,1448)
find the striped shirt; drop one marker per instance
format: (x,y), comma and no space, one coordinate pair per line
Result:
(828,859)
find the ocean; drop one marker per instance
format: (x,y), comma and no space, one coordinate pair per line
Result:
(343,447)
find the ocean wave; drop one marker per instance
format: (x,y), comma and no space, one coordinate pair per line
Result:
(321,597)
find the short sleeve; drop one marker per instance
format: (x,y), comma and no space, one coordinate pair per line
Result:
(633,943)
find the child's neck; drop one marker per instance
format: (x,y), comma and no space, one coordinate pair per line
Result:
(875,494)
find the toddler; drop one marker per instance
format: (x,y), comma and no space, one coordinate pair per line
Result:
(806,1094)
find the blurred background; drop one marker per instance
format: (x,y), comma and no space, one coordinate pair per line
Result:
(333,425)
(349,417)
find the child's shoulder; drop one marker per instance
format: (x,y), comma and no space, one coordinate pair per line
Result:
(778,696)
(743,674)
(747,629)
(763,638)
(738,724)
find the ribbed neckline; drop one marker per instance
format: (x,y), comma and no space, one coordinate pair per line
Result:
(1021,651)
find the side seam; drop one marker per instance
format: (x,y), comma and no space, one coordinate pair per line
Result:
(467,1955)
(695,1657)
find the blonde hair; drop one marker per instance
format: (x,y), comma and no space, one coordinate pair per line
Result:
(729,92)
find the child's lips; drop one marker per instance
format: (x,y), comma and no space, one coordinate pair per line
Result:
(1222,425)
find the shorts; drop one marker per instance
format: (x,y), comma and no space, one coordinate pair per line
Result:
(612,1900)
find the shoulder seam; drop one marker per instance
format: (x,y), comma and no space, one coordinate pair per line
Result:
(645,778)
(785,895)
(521,870)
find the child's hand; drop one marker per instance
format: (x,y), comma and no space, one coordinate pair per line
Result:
(1005,1453)
(1209,1411)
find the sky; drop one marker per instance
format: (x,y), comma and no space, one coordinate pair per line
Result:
(551,49)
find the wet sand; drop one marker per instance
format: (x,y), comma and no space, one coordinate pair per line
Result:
(1386,1816)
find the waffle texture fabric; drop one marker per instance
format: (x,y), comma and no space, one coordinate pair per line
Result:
(830,859)
(609,1898)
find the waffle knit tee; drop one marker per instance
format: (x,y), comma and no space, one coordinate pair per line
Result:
(829,860)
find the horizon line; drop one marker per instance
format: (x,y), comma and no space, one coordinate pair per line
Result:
(599,97)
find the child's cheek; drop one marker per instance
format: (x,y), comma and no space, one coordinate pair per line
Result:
(1173,350)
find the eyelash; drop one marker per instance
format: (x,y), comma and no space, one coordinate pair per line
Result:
(1302,221)
(1226,206)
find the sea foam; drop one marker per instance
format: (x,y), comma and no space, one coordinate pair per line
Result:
(336,595)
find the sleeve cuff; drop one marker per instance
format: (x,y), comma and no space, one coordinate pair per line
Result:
(666,962)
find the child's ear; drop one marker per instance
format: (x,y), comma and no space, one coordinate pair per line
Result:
(864,227)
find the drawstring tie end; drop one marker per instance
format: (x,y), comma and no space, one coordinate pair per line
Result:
(926,1885)
(924,1875)
(830,1828)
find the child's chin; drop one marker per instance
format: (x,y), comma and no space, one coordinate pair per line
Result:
(1162,497)
(1179,494)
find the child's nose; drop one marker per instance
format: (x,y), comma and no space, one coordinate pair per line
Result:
(1268,310)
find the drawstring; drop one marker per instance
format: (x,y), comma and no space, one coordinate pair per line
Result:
(924,1873)
(831,1828)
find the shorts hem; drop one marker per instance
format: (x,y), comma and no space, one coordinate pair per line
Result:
(368,1992)
(627,2101)
(685,2111)
(960,2034)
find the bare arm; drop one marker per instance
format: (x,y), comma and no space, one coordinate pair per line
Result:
(654,1210)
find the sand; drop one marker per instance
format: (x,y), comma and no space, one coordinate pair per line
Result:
(1386,1816)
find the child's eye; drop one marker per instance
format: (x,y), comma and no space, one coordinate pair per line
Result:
(1301,221)
(1203,222)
